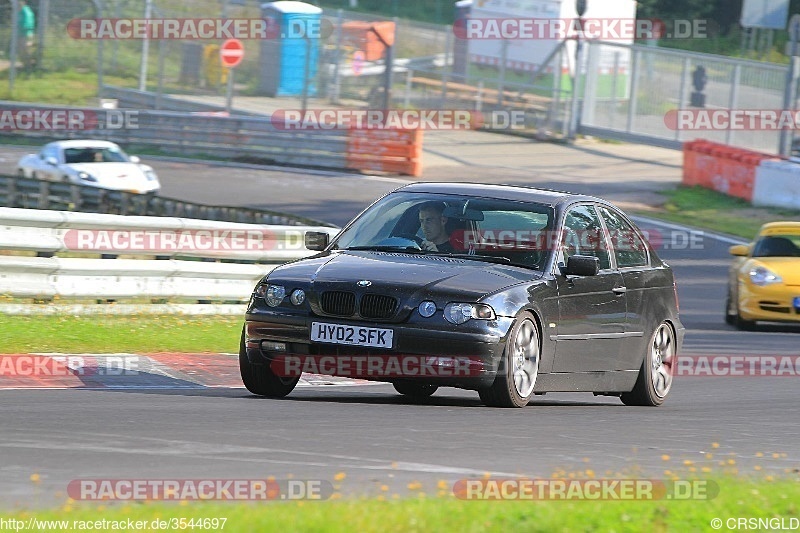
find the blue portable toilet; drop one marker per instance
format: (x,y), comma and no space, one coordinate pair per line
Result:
(292,58)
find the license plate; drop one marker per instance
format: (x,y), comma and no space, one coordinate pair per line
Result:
(352,335)
(797,302)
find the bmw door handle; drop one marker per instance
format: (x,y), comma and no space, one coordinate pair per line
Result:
(619,290)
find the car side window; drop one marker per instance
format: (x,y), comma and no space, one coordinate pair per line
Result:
(48,151)
(583,235)
(629,249)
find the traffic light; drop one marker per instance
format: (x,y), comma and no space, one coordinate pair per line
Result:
(699,80)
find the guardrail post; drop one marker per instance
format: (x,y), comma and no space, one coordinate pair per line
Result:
(77,199)
(124,203)
(12,192)
(44,195)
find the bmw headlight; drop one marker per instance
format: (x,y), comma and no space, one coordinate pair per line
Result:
(85,176)
(150,175)
(298,296)
(458,313)
(761,276)
(272,294)
(427,309)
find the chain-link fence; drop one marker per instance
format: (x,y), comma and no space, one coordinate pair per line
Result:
(637,90)
(626,90)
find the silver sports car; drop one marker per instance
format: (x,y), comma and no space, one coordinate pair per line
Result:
(95,163)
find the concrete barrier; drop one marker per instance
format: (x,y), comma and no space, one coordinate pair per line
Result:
(722,168)
(777,184)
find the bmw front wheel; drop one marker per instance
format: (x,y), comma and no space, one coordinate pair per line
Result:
(516,377)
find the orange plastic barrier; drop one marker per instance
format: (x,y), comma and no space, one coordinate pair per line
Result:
(721,167)
(395,151)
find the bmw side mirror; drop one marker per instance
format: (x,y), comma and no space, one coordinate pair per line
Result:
(52,161)
(316,241)
(135,159)
(582,265)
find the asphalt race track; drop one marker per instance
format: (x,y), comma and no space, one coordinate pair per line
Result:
(376,437)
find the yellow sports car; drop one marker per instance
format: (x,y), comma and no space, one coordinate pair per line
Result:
(764,280)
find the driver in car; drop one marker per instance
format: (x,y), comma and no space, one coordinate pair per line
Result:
(433,222)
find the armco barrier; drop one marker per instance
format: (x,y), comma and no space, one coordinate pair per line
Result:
(777,184)
(243,137)
(28,193)
(176,273)
(722,168)
(395,151)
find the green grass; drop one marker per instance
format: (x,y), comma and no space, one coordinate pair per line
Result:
(699,207)
(109,334)
(739,497)
(65,88)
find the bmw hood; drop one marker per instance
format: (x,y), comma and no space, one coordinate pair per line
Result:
(405,276)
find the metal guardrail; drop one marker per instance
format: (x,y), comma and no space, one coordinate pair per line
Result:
(16,191)
(255,139)
(166,277)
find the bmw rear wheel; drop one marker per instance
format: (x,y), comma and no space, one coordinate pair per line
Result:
(516,377)
(657,371)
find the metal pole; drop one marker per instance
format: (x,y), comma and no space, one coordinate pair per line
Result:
(573,119)
(387,90)
(734,96)
(148,11)
(682,94)
(98,7)
(790,91)
(229,92)
(614,88)
(306,72)
(12,69)
(337,58)
(117,15)
(407,98)
(44,8)
(160,90)
(502,75)
(634,91)
(788,103)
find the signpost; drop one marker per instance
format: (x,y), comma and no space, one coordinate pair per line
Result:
(231,54)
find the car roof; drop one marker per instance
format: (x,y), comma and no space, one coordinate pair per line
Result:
(772,228)
(501,192)
(83,143)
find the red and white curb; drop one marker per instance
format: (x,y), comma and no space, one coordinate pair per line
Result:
(134,371)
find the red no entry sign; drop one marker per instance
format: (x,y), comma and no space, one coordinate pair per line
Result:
(231,53)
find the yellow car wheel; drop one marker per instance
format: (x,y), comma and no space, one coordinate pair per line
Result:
(733,316)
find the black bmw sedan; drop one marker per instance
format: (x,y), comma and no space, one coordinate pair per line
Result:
(509,291)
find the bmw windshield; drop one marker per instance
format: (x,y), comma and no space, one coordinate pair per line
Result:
(500,231)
